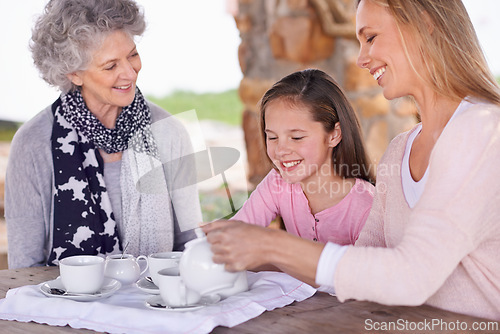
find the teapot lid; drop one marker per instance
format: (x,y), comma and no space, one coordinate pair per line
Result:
(193,242)
(199,233)
(200,237)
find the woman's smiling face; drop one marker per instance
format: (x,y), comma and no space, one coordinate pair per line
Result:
(110,79)
(382,51)
(297,145)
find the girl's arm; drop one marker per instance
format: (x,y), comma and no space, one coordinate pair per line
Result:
(243,246)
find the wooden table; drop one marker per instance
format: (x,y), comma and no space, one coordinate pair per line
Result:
(321,313)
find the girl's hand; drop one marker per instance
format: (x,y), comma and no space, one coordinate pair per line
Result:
(238,245)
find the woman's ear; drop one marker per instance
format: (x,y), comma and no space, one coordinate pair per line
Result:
(75,78)
(335,136)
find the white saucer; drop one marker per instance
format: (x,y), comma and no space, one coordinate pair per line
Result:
(162,306)
(109,287)
(147,286)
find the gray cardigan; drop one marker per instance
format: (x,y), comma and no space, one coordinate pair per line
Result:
(29,187)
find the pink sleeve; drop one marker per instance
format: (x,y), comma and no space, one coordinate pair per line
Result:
(361,224)
(372,233)
(360,207)
(262,206)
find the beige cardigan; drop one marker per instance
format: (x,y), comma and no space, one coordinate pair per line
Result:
(444,252)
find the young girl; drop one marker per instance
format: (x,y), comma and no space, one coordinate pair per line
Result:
(321,182)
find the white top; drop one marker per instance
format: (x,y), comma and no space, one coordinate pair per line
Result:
(412,189)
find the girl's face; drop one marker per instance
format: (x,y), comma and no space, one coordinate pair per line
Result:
(382,51)
(110,79)
(298,146)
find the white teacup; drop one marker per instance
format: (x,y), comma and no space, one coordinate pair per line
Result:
(82,273)
(159,261)
(173,291)
(125,268)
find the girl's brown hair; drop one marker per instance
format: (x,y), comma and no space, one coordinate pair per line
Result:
(328,105)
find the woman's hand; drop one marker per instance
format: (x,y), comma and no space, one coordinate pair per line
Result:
(238,245)
(242,246)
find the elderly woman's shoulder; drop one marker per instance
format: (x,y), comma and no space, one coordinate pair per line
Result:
(162,119)
(36,131)
(157,112)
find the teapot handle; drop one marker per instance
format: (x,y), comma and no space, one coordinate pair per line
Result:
(145,258)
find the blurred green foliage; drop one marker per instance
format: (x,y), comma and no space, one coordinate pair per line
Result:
(224,107)
(8,129)
(7,135)
(215,204)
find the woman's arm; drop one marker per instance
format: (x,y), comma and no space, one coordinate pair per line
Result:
(23,213)
(456,214)
(28,195)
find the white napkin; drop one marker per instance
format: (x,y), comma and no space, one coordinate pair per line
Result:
(125,311)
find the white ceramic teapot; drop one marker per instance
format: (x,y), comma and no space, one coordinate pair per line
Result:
(201,274)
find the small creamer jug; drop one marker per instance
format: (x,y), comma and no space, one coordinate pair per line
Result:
(125,268)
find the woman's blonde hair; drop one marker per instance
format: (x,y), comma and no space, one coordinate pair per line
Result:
(448,47)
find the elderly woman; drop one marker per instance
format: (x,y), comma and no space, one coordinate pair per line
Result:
(94,171)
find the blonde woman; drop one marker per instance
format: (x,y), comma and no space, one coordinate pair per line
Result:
(433,233)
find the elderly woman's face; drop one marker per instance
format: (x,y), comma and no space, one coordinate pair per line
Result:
(111,77)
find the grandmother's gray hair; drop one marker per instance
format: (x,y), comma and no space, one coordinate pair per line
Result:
(66,34)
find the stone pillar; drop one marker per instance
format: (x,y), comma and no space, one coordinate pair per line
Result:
(279,37)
